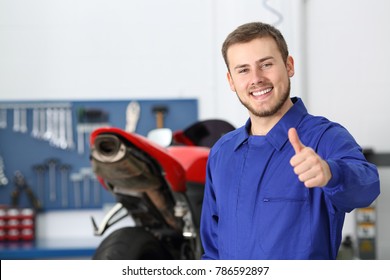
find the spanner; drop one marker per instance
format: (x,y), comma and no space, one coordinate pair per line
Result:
(52,164)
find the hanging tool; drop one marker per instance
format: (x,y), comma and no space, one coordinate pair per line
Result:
(16,126)
(69,128)
(35,125)
(86,175)
(42,123)
(40,170)
(3,117)
(89,119)
(160,112)
(23,120)
(49,124)
(132,116)
(80,139)
(64,170)
(96,189)
(62,141)
(22,186)
(3,178)
(52,165)
(55,127)
(76,179)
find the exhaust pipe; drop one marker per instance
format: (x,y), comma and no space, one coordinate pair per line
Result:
(108,149)
(124,168)
(128,171)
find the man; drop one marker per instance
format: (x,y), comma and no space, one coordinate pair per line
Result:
(278,187)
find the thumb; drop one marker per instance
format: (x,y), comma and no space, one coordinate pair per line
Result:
(294,140)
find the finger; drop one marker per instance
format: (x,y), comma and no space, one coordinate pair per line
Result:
(294,140)
(301,168)
(313,182)
(305,159)
(307,175)
(317,176)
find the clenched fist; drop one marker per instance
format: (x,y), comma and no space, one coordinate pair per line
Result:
(310,168)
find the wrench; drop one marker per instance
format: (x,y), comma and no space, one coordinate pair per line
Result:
(42,123)
(16,126)
(52,164)
(3,118)
(64,169)
(96,189)
(3,178)
(69,128)
(80,138)
(40,171)
(49,124)
(23,120)
(55,139)
(86,174)
(62,143)
(76,179)
(35,126)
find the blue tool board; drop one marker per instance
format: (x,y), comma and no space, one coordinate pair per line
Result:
(65,176)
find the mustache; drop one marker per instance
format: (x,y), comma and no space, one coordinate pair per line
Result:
(260,87)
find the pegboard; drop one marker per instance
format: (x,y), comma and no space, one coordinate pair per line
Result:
(58,171)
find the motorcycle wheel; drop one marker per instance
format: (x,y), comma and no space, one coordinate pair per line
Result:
(131,243)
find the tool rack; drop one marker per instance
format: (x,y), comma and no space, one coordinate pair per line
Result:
(48,143)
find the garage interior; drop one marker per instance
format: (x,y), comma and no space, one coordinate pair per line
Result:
(75,66)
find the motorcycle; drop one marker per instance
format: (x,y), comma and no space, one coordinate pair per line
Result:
(159,183)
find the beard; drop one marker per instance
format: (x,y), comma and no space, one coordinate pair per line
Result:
(272,110)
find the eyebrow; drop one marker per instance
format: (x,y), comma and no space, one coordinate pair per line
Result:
(258,61)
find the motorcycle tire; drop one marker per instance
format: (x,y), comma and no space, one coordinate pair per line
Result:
(131,243)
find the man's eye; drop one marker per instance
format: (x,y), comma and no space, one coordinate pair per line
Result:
(244,70)
(266,65)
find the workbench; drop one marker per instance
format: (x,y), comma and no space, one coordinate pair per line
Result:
(49,249)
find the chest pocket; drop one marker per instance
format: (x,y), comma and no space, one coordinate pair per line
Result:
(284,209)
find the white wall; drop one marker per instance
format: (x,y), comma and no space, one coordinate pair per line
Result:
(347,71)
(346,80)
(87,49)
(119,49)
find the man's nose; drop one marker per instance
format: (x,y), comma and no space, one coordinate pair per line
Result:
(257,77)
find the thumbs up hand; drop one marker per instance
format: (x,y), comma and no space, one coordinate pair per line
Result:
(310,168)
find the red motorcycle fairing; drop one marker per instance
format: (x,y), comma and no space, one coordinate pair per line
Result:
(174,171)
(194,161)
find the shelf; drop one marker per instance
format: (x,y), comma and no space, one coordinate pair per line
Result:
(48,249)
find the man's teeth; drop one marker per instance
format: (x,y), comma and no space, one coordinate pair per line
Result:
(262,92)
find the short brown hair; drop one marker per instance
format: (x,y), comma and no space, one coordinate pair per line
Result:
(249,31)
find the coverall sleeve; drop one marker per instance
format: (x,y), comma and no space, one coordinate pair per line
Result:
(209,220)
(355,182)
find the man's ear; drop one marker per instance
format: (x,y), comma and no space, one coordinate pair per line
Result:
(290,66)
(231,82)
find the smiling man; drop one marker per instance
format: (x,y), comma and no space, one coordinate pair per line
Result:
(279,186)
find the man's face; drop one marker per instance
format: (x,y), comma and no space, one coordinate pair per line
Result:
(259,76)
